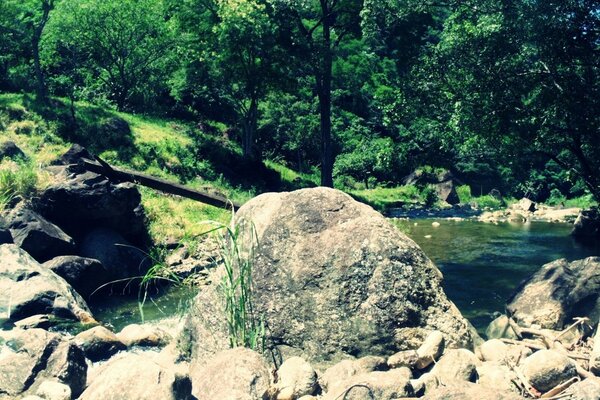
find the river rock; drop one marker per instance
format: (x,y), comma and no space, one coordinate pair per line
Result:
(404,358)
(235,374)
(332,278)
(456,366)
(430,350)
(53,390)
(469,392)
(137,377)
(296,378)
(500,328)
(494,350)
(27,289)
(81,200)
(37,236)
(85,275)
(555,294)
(30,357)
(545,369)
(588,389)
(9,149)
(525,205)
(99,343)
(587,224)
(380,385)
(348,368)
(143,336)
(498,377)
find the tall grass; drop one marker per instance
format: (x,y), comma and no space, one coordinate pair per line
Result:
(16,180)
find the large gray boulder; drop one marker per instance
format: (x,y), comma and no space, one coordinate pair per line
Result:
(36,235)
(332,278)
(27,289)
(9,149)
(28,358)
(85,275)
(137,377)
(559,291)
(587,224)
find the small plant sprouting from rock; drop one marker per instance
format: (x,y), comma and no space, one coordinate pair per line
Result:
(238,243)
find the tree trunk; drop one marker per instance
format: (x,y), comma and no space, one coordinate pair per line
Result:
(249,126)
(587,172)
(47,6)
(324,89)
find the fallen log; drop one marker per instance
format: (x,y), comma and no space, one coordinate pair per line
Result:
(118,174)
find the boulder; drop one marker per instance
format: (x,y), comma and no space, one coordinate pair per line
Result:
(469,392)
(120,259)
(456,367)
(587,224)
(98,343)
(9,149)
(37,236)
(42,321)
(332,278)
(81,200)
(588,389)
(348,368)
(54,390)
(525,205)
(27,289)
(498,377)
(295,378)
(74,155)
(137,377)
(404,358)
(85,275)
(380,385)
(500,328)
(446,191)
(232,374)
(28,358)
(494,350)
(5,236)
(545,369)
(555,294)
(143,336)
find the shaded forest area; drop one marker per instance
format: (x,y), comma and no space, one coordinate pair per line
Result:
(505,94)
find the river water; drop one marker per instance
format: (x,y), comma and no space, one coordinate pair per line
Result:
(482,264)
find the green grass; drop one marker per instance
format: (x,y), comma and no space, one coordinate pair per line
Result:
(384,198)
(17,179)
(292,179)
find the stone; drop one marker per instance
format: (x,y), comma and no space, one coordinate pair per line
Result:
(469,392)
(430,350)
(545,369)
(42,321)
(332,278)
(595,354)
(557,293)
(53,390)
(37,236)
(28,289)
(9,149)
(85,275)
(120,258)
(380,385)
(99,343)
(404,358)
(28,358)
(587,224)
(500,328)
(296,378)
(425,384)
(5,236)
(348,368)
(588,389)
(74,155)
(143,336)
(525,205)
(446,191)
(494,350)
(233,374)
(81,200)
(456,366)
(137,377)
(498,377)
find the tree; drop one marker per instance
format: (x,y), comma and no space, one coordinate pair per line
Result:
(124,43)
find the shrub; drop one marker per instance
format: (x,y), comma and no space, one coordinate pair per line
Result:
(464,194)
(23,127)
(429,196)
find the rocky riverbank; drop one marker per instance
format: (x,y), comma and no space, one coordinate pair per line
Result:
(349,306)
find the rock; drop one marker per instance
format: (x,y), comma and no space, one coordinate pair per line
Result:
(497,377)
(587,224)
(99,343)
(296,378)
(494,350)
(137,377)
(53,390)
(380,385)
(446,191)
(81,200)
(9,149)
(27,289)
(558,292)
(143,335)
(37,236)
(545,369)
(332,278)
(85,275)
(31,357)
(588,389)
(430,350)
(525,205)
(74,155)
(405,358)
(42,321)
(469,392)
(456,366)
(500,328)
(232,374)
(495,193)
(113,132)
(118,257)
(5,236)
(595,354)
(424,384)
(348,368)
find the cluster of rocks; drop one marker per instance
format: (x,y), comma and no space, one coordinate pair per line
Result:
(526,210)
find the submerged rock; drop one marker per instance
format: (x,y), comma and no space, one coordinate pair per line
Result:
(559,291)
(27,289)
(332,277)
